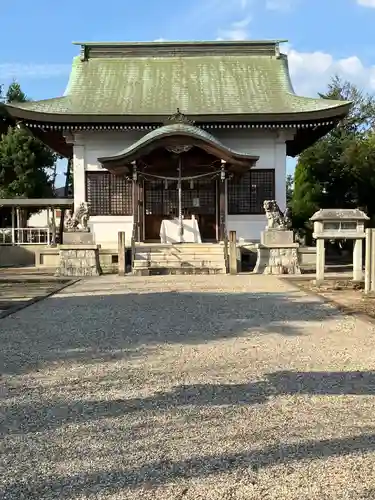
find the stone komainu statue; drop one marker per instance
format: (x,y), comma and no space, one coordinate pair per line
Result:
(78,221)
(275,218)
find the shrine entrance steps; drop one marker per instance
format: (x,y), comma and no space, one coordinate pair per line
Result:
(180,258)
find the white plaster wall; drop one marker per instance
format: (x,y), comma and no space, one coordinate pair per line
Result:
(91,146)
(268,145)
(271,149)
(106,229)
(40,219)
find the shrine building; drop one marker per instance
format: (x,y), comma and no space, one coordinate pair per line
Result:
(179,131)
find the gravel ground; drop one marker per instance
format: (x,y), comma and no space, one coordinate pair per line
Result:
(204,387)
(17,291)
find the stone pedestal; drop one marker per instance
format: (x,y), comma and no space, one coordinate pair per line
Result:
(277,253)
(78,260)
(78,238)
(276,237)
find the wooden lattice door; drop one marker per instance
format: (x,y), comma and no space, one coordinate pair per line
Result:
(198,198)
(160,202)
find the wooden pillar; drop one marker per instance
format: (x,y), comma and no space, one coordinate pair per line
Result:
(357,260)
(141,209)
(121,253)
(19,234)
(13,225)
(372,257)
(135,201)
(368,260)
(53,224)
(222,228)
(66,193)
(320,260)
(48,228)
(232,252)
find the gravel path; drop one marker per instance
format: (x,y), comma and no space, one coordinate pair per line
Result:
(19,291)
(205,387)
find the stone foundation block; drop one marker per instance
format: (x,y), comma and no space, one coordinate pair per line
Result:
(277,259)
(78,261)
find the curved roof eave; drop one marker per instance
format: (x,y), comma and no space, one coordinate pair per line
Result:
(191,134)
(67,117)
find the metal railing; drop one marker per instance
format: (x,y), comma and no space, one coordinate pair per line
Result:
(26,236)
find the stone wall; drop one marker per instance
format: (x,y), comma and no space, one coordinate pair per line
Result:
(79,261)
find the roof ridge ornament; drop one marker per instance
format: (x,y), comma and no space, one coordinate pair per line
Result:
(179,117)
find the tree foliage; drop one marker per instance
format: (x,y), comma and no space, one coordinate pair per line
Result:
(289,189)
(15,93)
(339,170)
(25,162)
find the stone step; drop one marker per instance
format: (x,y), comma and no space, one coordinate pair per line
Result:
(166,263)
(173,258)
(156,270)
(174,251)
(178,257)
(178,254)
(179,245)
(185,258)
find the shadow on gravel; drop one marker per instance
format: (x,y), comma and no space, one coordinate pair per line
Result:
(93,329)
(323,383)
(45,416)
(90,329)
(158,473)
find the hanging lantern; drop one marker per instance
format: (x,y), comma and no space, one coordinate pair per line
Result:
(191,184)
(223,173)
(165,183)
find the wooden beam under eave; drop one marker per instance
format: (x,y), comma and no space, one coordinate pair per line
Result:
(116,169)
(54,139)
(305,138)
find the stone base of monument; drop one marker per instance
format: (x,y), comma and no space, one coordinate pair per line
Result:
(79,260)
(277,253)
(78,238)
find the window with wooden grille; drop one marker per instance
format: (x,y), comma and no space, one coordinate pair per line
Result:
(161,198)
(109,194)
(247,193)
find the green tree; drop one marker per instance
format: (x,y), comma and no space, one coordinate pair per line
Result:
(338,171)
(289,189)
(25,162)
(15,93)
(360,155)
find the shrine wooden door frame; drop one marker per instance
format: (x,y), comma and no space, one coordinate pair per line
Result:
(219,203)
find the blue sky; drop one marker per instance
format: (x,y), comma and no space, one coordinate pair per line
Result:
(326,37)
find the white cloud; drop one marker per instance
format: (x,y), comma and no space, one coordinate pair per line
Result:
(367,3)
(311,71)
(279,4)
(215,12)
(238,30)
(40,71)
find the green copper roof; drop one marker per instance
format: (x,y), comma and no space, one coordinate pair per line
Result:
(135,80)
